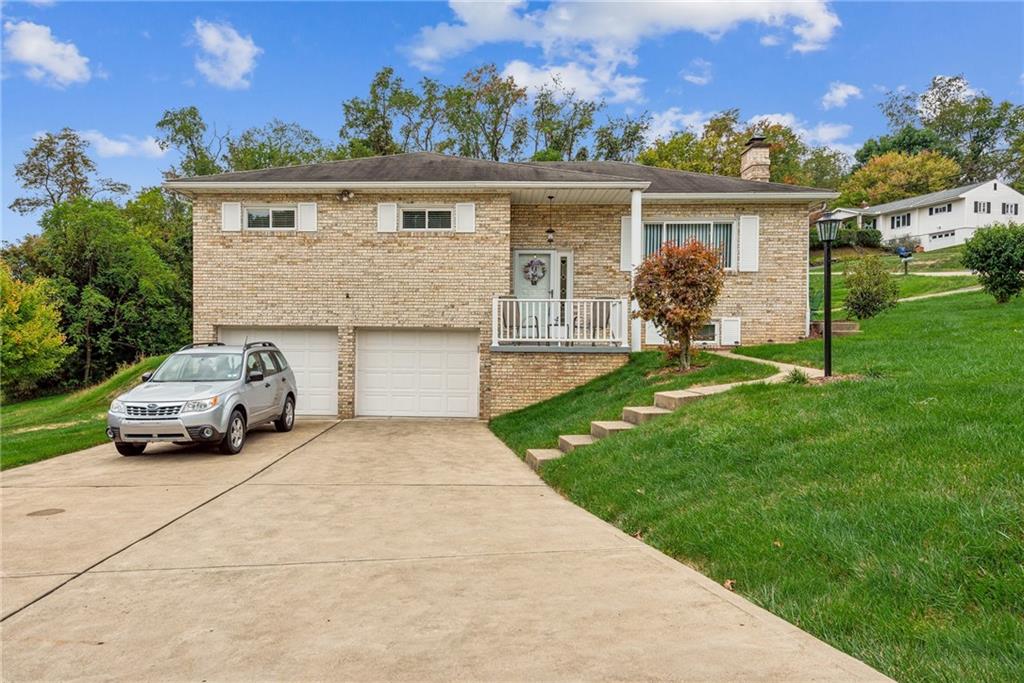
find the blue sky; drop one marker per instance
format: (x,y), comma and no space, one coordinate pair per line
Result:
(111,69)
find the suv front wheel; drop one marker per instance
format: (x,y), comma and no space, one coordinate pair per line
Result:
(234,438)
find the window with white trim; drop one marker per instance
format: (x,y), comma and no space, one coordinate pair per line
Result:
(417,218)
(982,207)
(900,221)
(1010,209)
(946,208)
(717,235)
(270,217)
(708,334)
(941,235)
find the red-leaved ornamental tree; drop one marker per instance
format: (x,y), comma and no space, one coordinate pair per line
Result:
(676,288)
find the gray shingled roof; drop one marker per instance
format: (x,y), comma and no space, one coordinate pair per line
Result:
(411,167)
(921,200)
(429,167)
(667,180)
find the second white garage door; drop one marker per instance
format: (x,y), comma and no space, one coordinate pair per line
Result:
(312,354)
(417,373)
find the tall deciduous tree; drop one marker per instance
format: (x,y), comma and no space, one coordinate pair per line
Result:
(32,346)
(371,122)
(621,139)
(561,121)
(895,176)
(200,148)
(276,144)
(908,139)
(676,289)
(484,116)
(56,169)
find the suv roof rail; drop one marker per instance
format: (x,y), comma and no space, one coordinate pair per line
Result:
(250,345)
(192,346)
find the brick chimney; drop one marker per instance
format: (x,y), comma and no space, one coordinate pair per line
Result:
(755,162)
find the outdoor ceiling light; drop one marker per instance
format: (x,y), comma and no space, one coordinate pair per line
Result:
(550,232)
(345,195)
(828,227)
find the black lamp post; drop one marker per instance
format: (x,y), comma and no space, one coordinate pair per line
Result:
(828,229)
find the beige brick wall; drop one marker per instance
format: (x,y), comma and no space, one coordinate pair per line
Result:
(350,276)
(520,379)
(771,302)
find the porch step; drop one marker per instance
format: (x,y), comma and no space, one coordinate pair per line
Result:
(570,442)
(601,429)
(671,400)
(640,414)
(535,457)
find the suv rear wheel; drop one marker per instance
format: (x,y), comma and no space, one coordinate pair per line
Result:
(234,439)
(125,448)
(287,419)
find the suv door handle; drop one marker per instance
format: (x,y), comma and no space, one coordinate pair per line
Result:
(267,385)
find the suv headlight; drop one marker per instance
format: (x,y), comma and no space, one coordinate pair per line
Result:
(199,405)
(117,407)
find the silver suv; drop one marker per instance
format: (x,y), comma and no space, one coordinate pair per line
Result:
(202,395)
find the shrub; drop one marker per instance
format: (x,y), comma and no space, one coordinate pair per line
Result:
(869,237)
(796,376)
(676,288)
(871,288)
(996,253)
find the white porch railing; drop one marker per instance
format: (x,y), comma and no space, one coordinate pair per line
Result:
(561,322)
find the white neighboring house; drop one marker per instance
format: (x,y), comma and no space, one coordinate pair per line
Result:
(942,219)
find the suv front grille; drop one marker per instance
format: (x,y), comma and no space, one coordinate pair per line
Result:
(154,411)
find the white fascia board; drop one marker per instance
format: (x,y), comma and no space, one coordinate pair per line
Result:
(740,196)
(406,185)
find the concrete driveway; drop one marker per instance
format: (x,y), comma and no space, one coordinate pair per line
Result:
(367,550)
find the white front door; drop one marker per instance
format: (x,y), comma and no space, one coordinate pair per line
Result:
(535,274)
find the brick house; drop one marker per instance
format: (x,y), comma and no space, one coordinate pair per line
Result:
(426,285)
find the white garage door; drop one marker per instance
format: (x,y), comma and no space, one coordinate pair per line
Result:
(312,354)
(417,373)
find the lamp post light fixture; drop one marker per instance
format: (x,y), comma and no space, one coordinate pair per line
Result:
(828,230)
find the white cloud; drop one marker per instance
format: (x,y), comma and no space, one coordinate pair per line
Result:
(589,82)
(673,120)
(839,94)
(828,134)
(603,39)
(45,58)
(227,58)
(123,145)
(771,40)
(699,72)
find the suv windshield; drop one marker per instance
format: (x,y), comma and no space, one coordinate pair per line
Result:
(200,367)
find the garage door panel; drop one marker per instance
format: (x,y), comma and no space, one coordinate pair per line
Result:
(312,355)
(424,373)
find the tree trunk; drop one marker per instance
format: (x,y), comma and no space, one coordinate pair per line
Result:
(684,353)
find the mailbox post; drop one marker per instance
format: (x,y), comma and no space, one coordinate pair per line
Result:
(828,229)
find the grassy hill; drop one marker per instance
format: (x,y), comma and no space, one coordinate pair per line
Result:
(883,515)
(54,425)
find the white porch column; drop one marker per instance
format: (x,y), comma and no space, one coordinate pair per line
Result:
(635,257)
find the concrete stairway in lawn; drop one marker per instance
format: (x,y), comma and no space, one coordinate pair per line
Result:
(665,402)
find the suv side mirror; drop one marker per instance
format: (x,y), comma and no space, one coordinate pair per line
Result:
(254,376)
(146,376)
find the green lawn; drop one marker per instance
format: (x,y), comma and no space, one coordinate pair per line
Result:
(885,516)
(910,285)
(634,384)
(929,261)
(45,427)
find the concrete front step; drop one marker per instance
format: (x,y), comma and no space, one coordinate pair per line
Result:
(569,442)
(535,457)
(601,429)
(671,400)
(640,414)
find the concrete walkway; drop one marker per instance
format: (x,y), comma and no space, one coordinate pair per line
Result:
(361,550)
(951,292)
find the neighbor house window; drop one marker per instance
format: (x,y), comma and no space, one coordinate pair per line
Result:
(717,235)
(941,235)
(270,217)
(982,207)
(900,221)
(932,210)
(426,219)
(1010,209)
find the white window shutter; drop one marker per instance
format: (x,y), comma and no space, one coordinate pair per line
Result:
(465,217)
(729,329)
(387,217)
(231,216)
(651,334)
(307,217)
(625,262)
(749,241)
